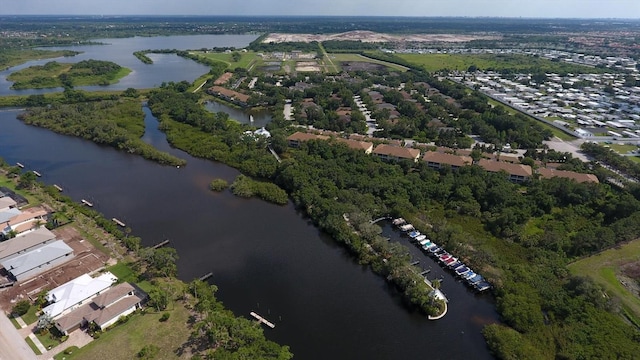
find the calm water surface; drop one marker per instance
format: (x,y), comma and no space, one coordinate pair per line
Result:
(264,258)
(165,67)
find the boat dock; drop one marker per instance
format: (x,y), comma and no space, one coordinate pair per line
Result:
(263,320)
(57,187)
(205,276)
(86,203)
(20,165)
(159,245)
(118,222)
(37,173)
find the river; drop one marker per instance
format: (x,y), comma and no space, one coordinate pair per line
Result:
(264,258)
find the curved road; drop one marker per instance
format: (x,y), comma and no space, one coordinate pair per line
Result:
(12,345)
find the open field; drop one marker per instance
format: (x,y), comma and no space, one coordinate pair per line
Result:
(622,148)
(246,58)
(55,74)
(497,62)
(604,268)
(143,329)
(339,58)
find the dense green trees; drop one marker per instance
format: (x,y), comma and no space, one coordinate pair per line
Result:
(116,123)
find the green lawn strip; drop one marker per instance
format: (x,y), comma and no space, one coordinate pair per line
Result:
(66,353)
(556,132)
(30,317)
(603,268)
(634,158)
(32,346)
(339,57)
(123,272)
(129,338)
(15,322)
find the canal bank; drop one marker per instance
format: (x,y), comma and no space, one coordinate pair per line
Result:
(264,258)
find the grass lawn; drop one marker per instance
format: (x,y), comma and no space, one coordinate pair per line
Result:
(437,62)
(246,59)
(9,183)
(126,340)
(603,267)
(634,158)
(30,317)
(337,58)
(15,322)
(622,148)
(32,346)
(48,341)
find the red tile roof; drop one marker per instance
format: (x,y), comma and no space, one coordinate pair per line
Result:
(512,169)
(547,173)
(449,159)
(395,151)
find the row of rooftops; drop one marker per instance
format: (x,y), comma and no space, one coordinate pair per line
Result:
(444,156)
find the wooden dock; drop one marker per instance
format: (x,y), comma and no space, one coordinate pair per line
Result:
(263,320)
(37,173)
(20,165)
(158,245)
(118,222)
(86,203)
(57,187)
(205,276)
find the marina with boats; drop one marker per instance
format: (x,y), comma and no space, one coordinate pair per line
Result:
(448,261)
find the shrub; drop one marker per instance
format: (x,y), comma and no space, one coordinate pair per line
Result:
(148,352)
(165,317)
(22,307)
(218,185)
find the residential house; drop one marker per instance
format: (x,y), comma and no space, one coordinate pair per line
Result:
(518,173)
(547,173)
(298,138)
(103,310)
(25,221)
(365,146)
(395,153)
(7,203)
(38,260)
(75,293)
(25,242)
(436,160)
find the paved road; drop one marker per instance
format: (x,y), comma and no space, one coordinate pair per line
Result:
(572,147)
(12,345)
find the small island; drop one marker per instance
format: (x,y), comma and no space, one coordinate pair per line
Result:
(54,74)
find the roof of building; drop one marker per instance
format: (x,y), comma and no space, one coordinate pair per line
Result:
(356,145)
(77,290)
(300,136)
(548,173)
(25,241)
(27,215)
(9,214)
(116,301)
(400,152)
(22,263)
(6,202)
(512,169)
(449,159)
(112,295)
(230,93)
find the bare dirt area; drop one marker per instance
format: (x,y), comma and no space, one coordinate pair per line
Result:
(373,37)
(307,66)
(87,259)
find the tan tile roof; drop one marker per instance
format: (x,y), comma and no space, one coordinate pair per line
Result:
(27,215)
(115,293)
(512,169)
(300,136)
(356,145)
(449,159)
(6,202)
(578,177)
(229,93)
(400,152)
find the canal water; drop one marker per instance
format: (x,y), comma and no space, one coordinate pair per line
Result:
(263,257)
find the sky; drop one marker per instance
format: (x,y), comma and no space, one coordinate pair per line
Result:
(471,8)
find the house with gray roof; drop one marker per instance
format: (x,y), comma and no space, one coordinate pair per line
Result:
(36,261)
(25,242)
